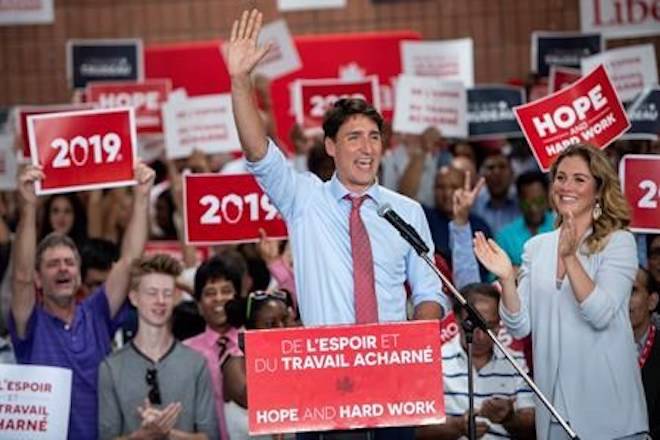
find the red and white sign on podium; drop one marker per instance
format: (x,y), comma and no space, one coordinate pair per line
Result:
(146,97)
(640,178)
(313,97)
(83,150)
(344,377)
(228,209)
(589,111)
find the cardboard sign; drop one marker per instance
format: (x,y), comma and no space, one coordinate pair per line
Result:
(490,111)
(630,68)
(298,5)
(562,77)
(228,209)
(203,123)
(282,58)
(8,163)
(314,97)
(173,249)
(450,60)
(23,112)
(424,102)
(344,377)
(104,60)
(83,150)
(20,12)
(617,18)
(640,180)
(643,116)
(589,111)
(35,402)
(562,49)
(146,97)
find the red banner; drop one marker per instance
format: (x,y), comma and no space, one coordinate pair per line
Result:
(315,96)
(562,77)
(344,377)
(228,209)
(589,111)
(83,150)
(640,178)
(146,97)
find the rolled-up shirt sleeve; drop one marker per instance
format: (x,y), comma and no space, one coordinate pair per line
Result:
(465,269)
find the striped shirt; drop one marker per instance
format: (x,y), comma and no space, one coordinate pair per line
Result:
(495,379)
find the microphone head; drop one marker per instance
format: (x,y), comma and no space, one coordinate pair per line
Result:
(382,209)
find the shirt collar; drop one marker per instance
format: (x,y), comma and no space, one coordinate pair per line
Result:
(511,198)
(339,191)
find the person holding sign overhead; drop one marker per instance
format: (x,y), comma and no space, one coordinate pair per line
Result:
(572,294)
(350,265)
(54,330)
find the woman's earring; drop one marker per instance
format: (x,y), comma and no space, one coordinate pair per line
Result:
(598,211)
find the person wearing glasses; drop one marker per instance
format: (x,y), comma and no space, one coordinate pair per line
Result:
(260,310)
(154,386)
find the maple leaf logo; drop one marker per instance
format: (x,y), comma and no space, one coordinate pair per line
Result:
(351,71)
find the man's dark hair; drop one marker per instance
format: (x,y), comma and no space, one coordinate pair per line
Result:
(99,254)
(472,289)
(319,162)
(526,179)
(343,109)
(213,269)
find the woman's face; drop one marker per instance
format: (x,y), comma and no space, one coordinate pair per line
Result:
(61,215)
(574,188)
(273,314)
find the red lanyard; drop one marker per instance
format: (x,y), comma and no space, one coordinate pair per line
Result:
(643,356)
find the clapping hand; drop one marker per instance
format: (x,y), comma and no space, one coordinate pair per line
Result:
(243,52)
(497,409)
(493,257)
(568,239)
(157,423)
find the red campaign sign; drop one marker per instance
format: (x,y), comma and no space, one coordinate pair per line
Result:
(640,177)
(173,249)
(315,97)
(228,209)
(146,97)
(24,112)
(589,111)
(83,150)
(562,77)
(344,377)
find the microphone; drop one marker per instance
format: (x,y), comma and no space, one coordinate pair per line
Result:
(407,232)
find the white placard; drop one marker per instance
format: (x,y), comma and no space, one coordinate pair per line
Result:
(630,68)
(13,12)
(35,402)
(203,123)
(422,102)
(450,60)
(282,58)
(297,5)
(617,19)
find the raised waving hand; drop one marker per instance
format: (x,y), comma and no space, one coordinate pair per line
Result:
(243,51)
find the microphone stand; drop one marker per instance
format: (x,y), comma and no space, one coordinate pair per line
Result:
(475,320)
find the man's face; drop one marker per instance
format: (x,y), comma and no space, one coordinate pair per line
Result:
(498,174)
(58,276)
(533,203)
(642,302)
(447,181)
(357,150)
(487,307)
(155,298)
(212,302)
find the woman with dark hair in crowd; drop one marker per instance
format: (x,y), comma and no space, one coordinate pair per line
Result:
(572,294)
(65,214)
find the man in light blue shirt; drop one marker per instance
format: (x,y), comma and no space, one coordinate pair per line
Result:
(498,204)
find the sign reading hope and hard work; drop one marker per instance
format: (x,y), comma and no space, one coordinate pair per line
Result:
(587,112)
(344,377)
(104,60)
(428,102)
(643,116)
(562,77)
(313,97)
(640,178)
(83,150)
(34,402)
(228,209)
(146,97)
(562,49)
(450,60)
(490,111)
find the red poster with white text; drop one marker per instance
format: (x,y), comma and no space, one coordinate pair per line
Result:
(228,209)
(640,179)
(83,150)
(344,377)
(315,96)
(562,77)
(145,96)
(589,111)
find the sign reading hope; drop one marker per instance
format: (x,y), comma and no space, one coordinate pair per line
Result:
(83,150)
(589,111)
(640,177)
(344,377)
(228,209)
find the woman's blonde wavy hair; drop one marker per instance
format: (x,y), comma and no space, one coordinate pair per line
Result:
(615,210)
